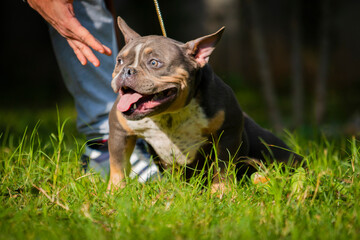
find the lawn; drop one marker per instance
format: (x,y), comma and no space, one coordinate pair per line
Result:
(44,195)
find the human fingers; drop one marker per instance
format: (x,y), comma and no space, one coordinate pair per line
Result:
(80,56)
(60,14)
(80,33)
(82,51)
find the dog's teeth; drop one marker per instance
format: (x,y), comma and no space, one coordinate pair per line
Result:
(134,106)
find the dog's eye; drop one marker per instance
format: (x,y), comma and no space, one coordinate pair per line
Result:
(155,63)
(120,61)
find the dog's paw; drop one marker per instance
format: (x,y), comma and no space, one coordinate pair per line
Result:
(220,189)
(258,178)
(115,185)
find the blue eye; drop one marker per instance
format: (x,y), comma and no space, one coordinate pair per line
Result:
(155,63)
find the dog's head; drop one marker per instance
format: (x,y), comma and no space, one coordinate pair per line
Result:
(155,74)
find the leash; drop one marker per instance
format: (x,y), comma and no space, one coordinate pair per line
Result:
(160,17)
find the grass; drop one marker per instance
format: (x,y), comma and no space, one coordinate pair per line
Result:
(44,195)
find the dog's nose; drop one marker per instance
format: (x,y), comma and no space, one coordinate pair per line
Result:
(129,71)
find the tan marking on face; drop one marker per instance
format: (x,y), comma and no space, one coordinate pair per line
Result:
(114,81)
(123,122)
(148,50)
(180,77)
(214,123)
(115,74)
(125,53)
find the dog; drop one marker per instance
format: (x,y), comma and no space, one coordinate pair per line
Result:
(169,95)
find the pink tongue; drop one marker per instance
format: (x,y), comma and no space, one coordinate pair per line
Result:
(127,100)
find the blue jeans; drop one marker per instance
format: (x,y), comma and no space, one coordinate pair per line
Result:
(90,86)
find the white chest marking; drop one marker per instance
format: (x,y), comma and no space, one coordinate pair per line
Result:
(176,137)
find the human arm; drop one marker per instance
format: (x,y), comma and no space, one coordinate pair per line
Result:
(60,14)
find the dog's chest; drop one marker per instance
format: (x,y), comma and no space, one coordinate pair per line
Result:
(175,137)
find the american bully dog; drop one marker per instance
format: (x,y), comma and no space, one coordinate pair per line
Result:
(169,95)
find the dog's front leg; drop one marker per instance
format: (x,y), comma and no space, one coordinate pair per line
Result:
(224,166)
(221,182)
(120,148)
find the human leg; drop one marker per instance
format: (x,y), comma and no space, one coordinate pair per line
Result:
(90,87)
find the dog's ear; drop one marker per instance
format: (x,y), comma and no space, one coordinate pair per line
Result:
(127,32)
(201,48)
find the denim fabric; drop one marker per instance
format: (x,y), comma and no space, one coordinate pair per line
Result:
(90,86)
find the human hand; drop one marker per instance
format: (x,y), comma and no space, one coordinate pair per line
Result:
(60,14)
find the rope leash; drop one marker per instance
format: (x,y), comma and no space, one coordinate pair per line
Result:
(160,18)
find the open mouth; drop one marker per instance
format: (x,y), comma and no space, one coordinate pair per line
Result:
(132,101)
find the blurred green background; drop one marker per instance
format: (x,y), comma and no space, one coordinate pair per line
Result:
(307,50)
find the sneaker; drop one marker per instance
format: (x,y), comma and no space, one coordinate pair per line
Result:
(96,157)
(141,162)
